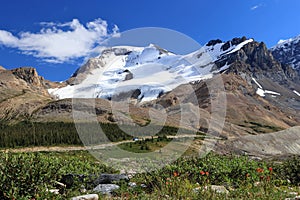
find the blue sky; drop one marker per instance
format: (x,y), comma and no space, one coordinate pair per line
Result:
(53,48)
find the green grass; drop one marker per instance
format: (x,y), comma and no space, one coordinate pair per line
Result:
(155,144)
(147,145)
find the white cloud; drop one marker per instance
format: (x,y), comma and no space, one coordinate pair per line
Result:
(256,6)
(60,42)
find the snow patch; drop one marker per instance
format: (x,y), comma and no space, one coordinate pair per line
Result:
(297,93)
(239,46)
(260,92)
(257,83)
(263,93)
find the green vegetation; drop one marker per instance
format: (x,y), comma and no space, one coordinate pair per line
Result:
(53,133)
(260,128)
(190,178)
(28,175)
(147,145)
(28,133)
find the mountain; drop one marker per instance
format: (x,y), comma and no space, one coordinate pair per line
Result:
(22,91)
(288,52)
(260,91)
(149,70)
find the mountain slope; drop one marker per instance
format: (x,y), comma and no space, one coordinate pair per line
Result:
(150,70)
(288,52)
(22,91)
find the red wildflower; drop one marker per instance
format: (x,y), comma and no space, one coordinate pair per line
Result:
(175,174)
(270,169)
(207,173)
(202,172)
(259,170)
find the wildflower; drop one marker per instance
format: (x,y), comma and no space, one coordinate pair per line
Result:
(168,182)
(259,170)
(175,174)
(270,169)
(207,173)
(202,172)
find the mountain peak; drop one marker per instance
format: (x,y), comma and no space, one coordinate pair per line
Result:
(29,75)
(288,52)
(286,42)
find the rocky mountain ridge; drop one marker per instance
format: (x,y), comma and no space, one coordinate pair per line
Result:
(288,52)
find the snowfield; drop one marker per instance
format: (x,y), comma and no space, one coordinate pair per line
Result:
(150,69)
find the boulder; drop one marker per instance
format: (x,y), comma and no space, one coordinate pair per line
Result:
(106,188)
(132,184)
(219,189)
(110,178)
(86,197)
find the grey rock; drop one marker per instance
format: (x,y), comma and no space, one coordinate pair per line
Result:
(132,184)
(128,76)
(86,197)
(219,189)
(106,188)
(110,178)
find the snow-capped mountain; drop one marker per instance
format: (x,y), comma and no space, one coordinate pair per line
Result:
(259,89)
(151,70)
(288,52)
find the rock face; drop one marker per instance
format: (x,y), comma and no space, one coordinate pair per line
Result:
(29,75)
(288,52)
(22,91)
(255,60)
(106,188)
(95,63)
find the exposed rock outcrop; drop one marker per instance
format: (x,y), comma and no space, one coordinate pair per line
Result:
(288,52)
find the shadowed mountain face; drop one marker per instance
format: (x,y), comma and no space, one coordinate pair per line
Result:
(260,91)
(288,52)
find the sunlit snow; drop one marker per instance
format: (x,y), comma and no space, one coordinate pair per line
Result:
(154,71)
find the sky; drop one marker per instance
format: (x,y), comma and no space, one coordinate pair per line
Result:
(58,36)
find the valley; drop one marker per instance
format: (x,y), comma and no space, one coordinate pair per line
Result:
(234,102)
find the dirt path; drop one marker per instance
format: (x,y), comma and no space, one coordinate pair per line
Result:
(80,148)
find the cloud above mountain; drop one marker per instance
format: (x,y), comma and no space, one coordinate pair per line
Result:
(256,6)
(61,42)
